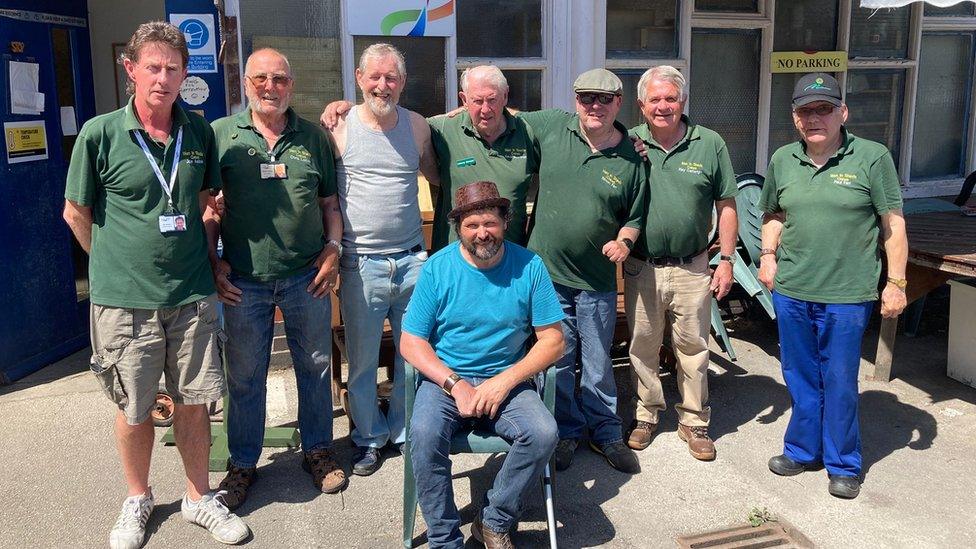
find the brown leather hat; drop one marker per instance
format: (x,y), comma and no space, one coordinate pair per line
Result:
(475,196)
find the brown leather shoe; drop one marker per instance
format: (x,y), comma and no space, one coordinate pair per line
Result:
(640,434)
(326,473)
(700,446)
(489,538)
(233,489)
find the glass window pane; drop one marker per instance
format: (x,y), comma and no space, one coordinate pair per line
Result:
(424,90)
(945,72)
(881,33)
(641,28)
(875,100)
(515,28)
(725,90)
(781,128)
(310,42)
(804,25)
(629,114)
(964,9)
(524,89)
(740,6)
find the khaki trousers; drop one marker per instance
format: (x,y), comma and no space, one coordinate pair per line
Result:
(653,298)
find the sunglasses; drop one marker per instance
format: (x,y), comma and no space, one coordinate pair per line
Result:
(278,80)
(822,110)
(590,98)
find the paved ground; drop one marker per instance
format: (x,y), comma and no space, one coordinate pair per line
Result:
(62,488)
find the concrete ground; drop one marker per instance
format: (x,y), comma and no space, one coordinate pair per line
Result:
(61,485)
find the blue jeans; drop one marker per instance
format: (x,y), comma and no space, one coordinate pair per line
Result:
(250,328)
(375,288)
(522,420)
(820,348)
(588,333)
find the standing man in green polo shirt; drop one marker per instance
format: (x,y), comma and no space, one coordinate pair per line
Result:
(281,231)
(592,202)
(138,185)
(483,143)
(666,277)
(828,197)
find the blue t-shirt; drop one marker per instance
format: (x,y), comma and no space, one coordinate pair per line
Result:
(478,321)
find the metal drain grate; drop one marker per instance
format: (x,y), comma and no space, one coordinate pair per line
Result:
(777,534)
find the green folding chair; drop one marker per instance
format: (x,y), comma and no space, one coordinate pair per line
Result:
(746,268)
(470,441)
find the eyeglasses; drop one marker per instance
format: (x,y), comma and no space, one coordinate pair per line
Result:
(278,80)
(589,98)
(821,110)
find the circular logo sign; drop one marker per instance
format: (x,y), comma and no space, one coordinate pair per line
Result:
(195,32)
(194,90)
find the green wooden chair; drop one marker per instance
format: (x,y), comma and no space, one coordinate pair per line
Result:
(470,441)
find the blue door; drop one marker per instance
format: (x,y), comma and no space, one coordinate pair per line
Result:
(47,93)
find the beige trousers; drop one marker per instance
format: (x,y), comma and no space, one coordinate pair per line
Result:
(653,298)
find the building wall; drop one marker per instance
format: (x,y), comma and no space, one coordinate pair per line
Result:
(109,25)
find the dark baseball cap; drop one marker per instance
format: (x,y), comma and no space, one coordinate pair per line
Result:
(816,86)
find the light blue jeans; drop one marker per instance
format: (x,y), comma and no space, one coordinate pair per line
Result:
(374,288)
(522,420)
(588,333)
(250,328)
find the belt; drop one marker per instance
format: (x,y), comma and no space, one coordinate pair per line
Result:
(666,261)
(416,249)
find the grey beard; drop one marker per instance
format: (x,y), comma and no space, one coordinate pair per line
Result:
(485,251)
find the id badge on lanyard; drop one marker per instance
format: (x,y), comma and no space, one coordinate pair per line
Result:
(171,221)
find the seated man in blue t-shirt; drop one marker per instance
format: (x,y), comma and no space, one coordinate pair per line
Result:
(473,309)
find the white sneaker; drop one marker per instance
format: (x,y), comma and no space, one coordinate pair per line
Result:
(130,528)
(209,512)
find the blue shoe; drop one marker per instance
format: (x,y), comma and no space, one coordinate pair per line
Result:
(366,462)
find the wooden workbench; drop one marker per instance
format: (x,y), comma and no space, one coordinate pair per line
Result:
(941,245)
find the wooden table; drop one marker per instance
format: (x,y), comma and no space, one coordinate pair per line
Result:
(941,245)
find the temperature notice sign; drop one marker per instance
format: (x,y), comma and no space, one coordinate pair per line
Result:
(26,141)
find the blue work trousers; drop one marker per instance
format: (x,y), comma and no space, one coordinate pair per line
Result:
(820,348)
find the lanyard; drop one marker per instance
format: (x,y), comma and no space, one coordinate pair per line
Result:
(167,188)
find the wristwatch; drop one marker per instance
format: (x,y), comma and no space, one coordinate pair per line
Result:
(335,244)
(767,251)
(450,382)
(729,258)
(628,242)
(900,282)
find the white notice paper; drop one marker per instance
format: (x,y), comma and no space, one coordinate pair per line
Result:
(68,124)
(24,82)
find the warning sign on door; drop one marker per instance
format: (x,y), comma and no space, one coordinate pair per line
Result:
(26,141)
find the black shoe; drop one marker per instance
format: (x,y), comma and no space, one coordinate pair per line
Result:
(565,451)
(367,461)
(619,456)
(786,467)
(844,487)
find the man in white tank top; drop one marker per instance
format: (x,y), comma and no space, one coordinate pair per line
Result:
(380,147)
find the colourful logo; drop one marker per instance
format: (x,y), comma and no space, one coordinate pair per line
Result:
(817,85)
(419,17)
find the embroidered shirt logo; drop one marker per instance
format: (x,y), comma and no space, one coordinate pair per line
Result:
(690,167)
(193,157)
(300,153)
(611,179)
(843,179)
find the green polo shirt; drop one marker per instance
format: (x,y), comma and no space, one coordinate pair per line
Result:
(829,249)
(464,157)
(272,228)
(584,199)
(686,181)
(132,264)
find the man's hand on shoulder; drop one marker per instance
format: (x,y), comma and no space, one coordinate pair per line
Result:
(335,112)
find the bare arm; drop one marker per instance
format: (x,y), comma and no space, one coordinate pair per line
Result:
(895,238)
(227,293)
(334,112)
(79,220)
(490,395)
(772,229)
(328,259)
(428,158)
(728,235)
(418,352)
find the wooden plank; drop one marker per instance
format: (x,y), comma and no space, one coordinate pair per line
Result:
(886,347)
